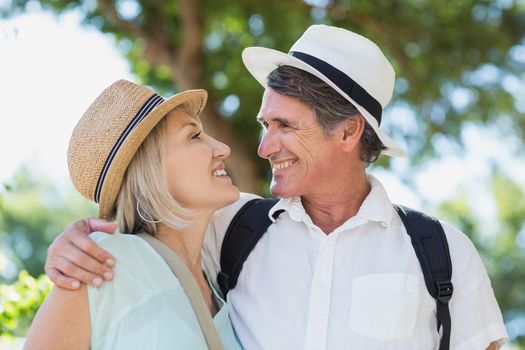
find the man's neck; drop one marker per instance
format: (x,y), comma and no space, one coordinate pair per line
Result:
(330,210)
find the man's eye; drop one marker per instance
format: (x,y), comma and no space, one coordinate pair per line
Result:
(196,136)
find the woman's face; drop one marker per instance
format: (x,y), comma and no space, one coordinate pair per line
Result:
(195,169)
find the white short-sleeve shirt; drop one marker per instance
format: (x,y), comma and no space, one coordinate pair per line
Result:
(359,287)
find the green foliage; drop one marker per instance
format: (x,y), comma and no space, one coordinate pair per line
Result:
(507,252)
(19,303)
(501,246)
(456,61)
(32,213)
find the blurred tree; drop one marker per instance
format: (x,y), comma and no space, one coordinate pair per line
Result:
(457,61)
(501,243)
(32,213)
(19,303)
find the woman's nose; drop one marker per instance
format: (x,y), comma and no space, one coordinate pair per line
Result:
(221,150)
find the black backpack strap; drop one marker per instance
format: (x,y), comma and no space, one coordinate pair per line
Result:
(430,244)
(245,230)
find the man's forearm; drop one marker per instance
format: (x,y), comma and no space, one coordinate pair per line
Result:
(492,346)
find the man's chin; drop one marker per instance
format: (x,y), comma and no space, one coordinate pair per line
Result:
(280,191)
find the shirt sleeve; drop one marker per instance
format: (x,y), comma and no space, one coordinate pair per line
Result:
(474,311)
(211,247)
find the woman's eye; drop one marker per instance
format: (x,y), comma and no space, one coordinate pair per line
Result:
(196,136)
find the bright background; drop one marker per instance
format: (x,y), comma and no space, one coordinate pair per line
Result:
(52,67)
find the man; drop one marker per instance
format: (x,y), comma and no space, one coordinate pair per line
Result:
(336,269)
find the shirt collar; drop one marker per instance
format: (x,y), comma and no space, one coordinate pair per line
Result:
(292,205)
(376,207)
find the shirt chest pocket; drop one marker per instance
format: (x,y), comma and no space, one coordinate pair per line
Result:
(384,306)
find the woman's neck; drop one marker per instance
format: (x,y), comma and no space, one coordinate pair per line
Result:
(187,244)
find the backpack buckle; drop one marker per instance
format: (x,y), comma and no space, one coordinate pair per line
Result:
(445,290)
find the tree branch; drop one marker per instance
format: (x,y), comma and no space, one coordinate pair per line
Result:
(111,14)
(190,50)
(157,50)
(389,39)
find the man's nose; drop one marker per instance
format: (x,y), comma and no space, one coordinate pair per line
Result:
(269,144)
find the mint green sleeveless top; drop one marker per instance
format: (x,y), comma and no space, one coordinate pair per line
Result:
(145,307)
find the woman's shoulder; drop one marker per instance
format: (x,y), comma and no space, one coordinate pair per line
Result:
(112,238)
(122,243)
(134,258)
(140,277)
(139,270)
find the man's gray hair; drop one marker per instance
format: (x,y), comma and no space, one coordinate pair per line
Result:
(329,106)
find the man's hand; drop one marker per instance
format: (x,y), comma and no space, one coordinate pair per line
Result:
(74,258)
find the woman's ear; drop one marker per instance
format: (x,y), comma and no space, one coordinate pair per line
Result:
(352,130)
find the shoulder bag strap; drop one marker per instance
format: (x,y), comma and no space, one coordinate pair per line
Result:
(191,289)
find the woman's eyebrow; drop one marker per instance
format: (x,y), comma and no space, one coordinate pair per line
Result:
(190,124)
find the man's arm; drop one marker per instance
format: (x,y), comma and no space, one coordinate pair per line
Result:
(493,346)
(73,258)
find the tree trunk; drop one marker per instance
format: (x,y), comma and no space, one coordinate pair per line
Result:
(185,62)
(241,164)
(188,75)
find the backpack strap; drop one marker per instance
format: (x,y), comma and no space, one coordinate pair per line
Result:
(245,230)
(430,243)
(426,234)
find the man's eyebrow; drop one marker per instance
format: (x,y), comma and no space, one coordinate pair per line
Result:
(280,120)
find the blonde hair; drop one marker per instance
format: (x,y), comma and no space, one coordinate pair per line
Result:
(145,189)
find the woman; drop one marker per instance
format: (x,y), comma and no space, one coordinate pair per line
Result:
(149,165)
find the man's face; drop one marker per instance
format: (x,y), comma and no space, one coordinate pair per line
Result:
(302,157)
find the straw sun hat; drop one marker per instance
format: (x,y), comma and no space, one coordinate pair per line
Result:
(109,133)
(351,64)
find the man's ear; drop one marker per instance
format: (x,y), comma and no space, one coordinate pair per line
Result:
(351,134)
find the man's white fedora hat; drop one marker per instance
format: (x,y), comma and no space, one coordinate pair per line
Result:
(350,63)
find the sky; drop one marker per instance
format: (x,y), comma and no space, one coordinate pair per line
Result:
(51,69)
